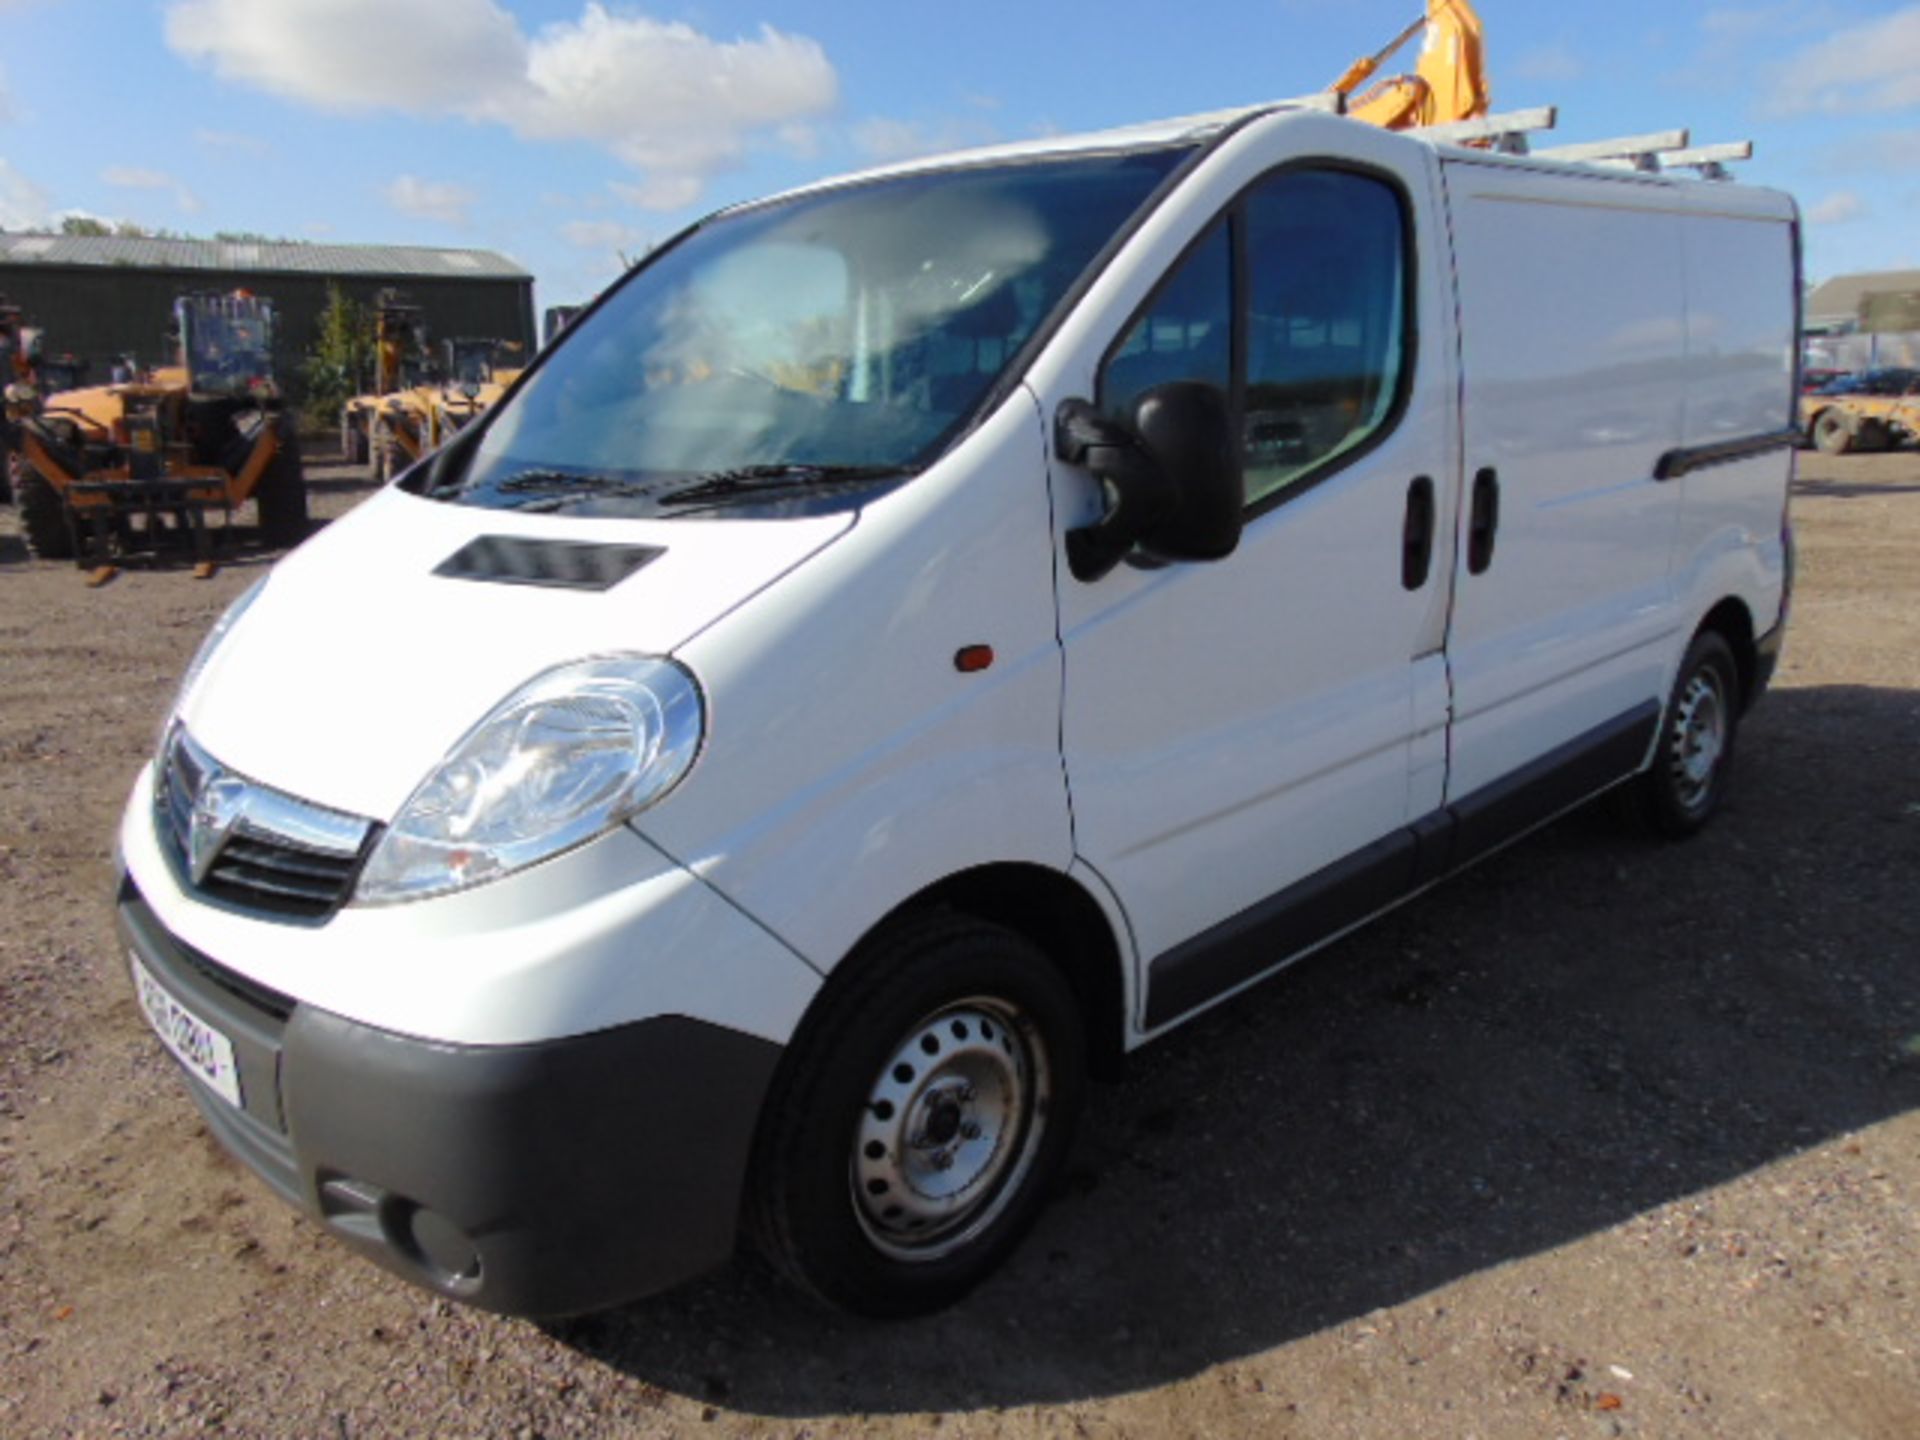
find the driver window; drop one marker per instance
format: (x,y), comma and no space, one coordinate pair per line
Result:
(1325,318)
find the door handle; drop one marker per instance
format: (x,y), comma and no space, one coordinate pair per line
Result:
(1483,522)
(1416,537)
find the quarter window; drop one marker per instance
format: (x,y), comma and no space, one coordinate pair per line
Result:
(1185,332)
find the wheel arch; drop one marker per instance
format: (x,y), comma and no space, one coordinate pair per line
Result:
(1055,913)
(1733,621)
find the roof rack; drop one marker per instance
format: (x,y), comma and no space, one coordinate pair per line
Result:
(1652,154)
(1508,134)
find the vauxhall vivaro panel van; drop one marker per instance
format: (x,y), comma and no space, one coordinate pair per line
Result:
(918,638)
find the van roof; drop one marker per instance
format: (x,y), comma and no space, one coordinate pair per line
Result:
(1196,128)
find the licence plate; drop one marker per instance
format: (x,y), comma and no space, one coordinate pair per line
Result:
(195,1044)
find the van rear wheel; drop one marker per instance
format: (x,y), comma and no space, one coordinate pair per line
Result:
(1683,789)
(919,1119)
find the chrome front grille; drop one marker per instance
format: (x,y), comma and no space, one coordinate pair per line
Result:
(249,845)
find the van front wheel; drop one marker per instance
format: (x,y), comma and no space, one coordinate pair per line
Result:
(920,1119)
(1683,789)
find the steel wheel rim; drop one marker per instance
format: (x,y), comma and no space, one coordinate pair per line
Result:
(950,1128)
(1699,737)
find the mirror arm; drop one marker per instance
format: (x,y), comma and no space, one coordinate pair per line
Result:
(1142,493)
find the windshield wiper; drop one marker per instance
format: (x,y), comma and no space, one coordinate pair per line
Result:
(557,489)
(723,485)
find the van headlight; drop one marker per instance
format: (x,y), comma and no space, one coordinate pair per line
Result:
(566,757)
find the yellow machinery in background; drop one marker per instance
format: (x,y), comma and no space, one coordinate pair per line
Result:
(115,468)
(400,373)
(478,373)
(1449,84)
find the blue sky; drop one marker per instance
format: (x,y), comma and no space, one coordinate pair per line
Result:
(566,132)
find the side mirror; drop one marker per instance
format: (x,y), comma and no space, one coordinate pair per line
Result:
(1173,478)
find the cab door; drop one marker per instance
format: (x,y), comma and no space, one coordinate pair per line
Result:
(1246,739)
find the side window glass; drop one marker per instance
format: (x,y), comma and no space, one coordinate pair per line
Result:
(1185,332)
(1326,321)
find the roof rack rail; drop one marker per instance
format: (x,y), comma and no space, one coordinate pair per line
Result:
(1710,160)
(1654,153)
(1636,150)
(1508,132)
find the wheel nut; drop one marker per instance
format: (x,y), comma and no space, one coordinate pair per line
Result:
(942,1160)
(970,1131)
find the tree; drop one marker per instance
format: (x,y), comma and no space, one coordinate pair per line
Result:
(341,357)
(84,225)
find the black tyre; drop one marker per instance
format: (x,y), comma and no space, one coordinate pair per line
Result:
(282,493)
(1832,432)
(43,515)
(9,474)
(1694,759)
(1873,436)
(920,1118)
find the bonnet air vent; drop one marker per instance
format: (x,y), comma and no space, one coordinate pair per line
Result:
(564,564)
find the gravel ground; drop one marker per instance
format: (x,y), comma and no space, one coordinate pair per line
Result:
(1605,1138)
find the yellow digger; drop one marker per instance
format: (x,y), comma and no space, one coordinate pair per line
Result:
(117,468)
(478,373)
(1449,84)
(399,371)
(471,378)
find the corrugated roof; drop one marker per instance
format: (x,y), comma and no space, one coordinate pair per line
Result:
(229,255)
(1844,296)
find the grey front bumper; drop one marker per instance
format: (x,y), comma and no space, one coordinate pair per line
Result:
(538,1179)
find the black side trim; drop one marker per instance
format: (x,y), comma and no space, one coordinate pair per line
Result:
(1676,463)
(1535,793)
(1264,936)
(1236,950)
(559,564)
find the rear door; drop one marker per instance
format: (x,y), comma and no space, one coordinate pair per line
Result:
(1574,371)
(1240,735)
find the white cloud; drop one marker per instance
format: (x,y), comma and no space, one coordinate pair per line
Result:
(437,200)
(416,55)
(1870,66)
(23,204)
(1838,208)
(130,177)
(667,99)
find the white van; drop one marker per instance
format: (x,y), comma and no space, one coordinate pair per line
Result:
(919,638)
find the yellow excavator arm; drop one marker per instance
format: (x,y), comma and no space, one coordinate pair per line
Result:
(1450,82)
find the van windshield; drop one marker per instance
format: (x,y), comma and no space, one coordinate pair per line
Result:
(793,356)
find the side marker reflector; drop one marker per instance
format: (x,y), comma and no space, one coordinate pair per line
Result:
(970,658)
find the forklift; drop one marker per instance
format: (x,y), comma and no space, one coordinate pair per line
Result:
(116,469)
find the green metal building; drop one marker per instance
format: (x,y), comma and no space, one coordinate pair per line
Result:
(98,297)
